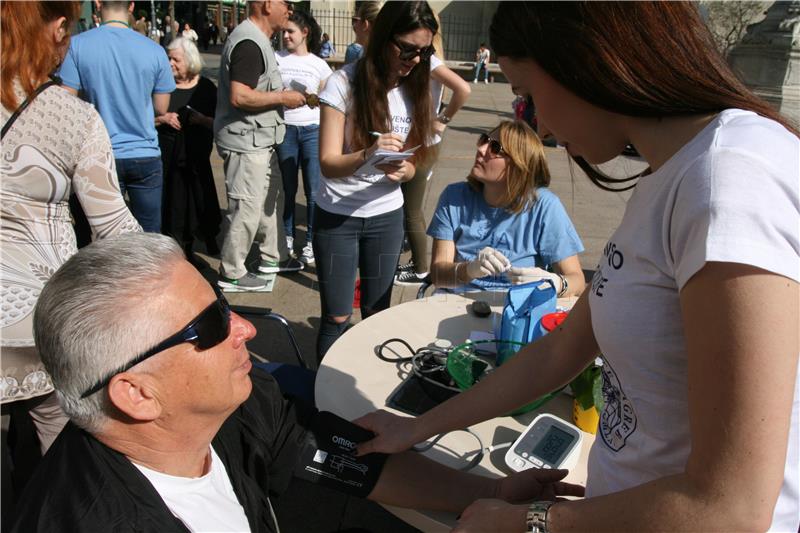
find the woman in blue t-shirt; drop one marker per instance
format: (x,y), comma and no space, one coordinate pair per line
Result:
(503,226)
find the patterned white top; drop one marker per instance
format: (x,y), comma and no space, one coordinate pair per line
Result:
(57,145)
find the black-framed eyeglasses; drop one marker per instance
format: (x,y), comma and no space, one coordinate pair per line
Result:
(410,52)
(495,148)
(208,329)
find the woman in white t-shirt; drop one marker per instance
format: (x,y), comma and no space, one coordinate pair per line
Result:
(301,70)
(694,304)
(416,270)
(380,102)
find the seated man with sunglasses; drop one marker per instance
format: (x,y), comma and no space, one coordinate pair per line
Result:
(503,226)
(173,430)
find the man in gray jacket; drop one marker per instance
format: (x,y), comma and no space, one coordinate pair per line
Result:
(248,125)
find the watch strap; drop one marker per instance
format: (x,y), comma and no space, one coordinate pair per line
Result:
(564,285)
(536,517)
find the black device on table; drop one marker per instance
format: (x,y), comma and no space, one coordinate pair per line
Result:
(481,309)
(414,396)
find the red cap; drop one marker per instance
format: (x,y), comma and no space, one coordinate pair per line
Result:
(551,321)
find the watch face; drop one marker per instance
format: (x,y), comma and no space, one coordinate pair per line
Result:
(312,100)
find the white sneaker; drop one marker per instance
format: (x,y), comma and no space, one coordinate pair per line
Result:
(273,267)
(409,277)
(486,81)
(248,282)
(475,80)
(307,256)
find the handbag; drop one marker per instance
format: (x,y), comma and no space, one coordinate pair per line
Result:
(525,305)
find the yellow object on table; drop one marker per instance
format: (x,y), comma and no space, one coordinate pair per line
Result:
(586,419)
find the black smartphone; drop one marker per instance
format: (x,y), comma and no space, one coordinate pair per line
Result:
(414,396)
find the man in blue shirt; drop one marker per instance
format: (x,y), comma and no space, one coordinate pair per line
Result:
(127,77)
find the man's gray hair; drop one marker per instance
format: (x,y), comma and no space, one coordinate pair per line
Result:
(97,312)
(190,54)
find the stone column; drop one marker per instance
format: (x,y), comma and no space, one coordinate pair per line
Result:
(768,58)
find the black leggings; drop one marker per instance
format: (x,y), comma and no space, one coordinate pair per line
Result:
(344,244)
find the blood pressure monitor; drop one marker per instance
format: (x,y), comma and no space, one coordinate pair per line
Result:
(548,442)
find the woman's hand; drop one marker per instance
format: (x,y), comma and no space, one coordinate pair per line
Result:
(439,127)
(386,141)
(399,172)
(536,484)
(489,262)
(521,275)
(393,434)
(490,516)
(170,119)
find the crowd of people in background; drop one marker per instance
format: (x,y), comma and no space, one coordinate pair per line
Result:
(127,150)
(166,29)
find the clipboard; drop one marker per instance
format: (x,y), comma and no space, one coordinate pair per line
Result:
(382,157)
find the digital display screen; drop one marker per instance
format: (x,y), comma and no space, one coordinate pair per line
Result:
(553,445)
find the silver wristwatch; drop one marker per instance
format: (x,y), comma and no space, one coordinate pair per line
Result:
(536,518)
(444,119)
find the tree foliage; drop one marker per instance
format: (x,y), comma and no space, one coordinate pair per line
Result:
(728,20)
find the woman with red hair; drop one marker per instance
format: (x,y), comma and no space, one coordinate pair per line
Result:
(53,144)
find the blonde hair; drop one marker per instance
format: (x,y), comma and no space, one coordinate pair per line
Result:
(194,61)
(368,11)
(438,41)
(526,166)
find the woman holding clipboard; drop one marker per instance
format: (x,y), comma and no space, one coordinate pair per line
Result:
(359,218)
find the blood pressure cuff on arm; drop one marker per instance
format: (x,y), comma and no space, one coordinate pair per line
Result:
(327,456)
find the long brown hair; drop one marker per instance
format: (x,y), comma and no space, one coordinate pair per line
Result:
(647,59)
(526,166)
(371,80)
(26,54)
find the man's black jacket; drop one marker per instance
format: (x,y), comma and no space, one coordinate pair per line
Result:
(84,486)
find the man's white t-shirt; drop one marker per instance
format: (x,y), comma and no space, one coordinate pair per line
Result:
(308,70)
(205,503)
(729,195)
(362,196)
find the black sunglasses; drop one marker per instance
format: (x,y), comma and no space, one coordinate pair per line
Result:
(208,329)
(409,52)
(495,148)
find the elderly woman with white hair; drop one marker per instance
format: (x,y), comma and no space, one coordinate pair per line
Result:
(190,204)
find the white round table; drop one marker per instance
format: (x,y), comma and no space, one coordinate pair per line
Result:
(353,381)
